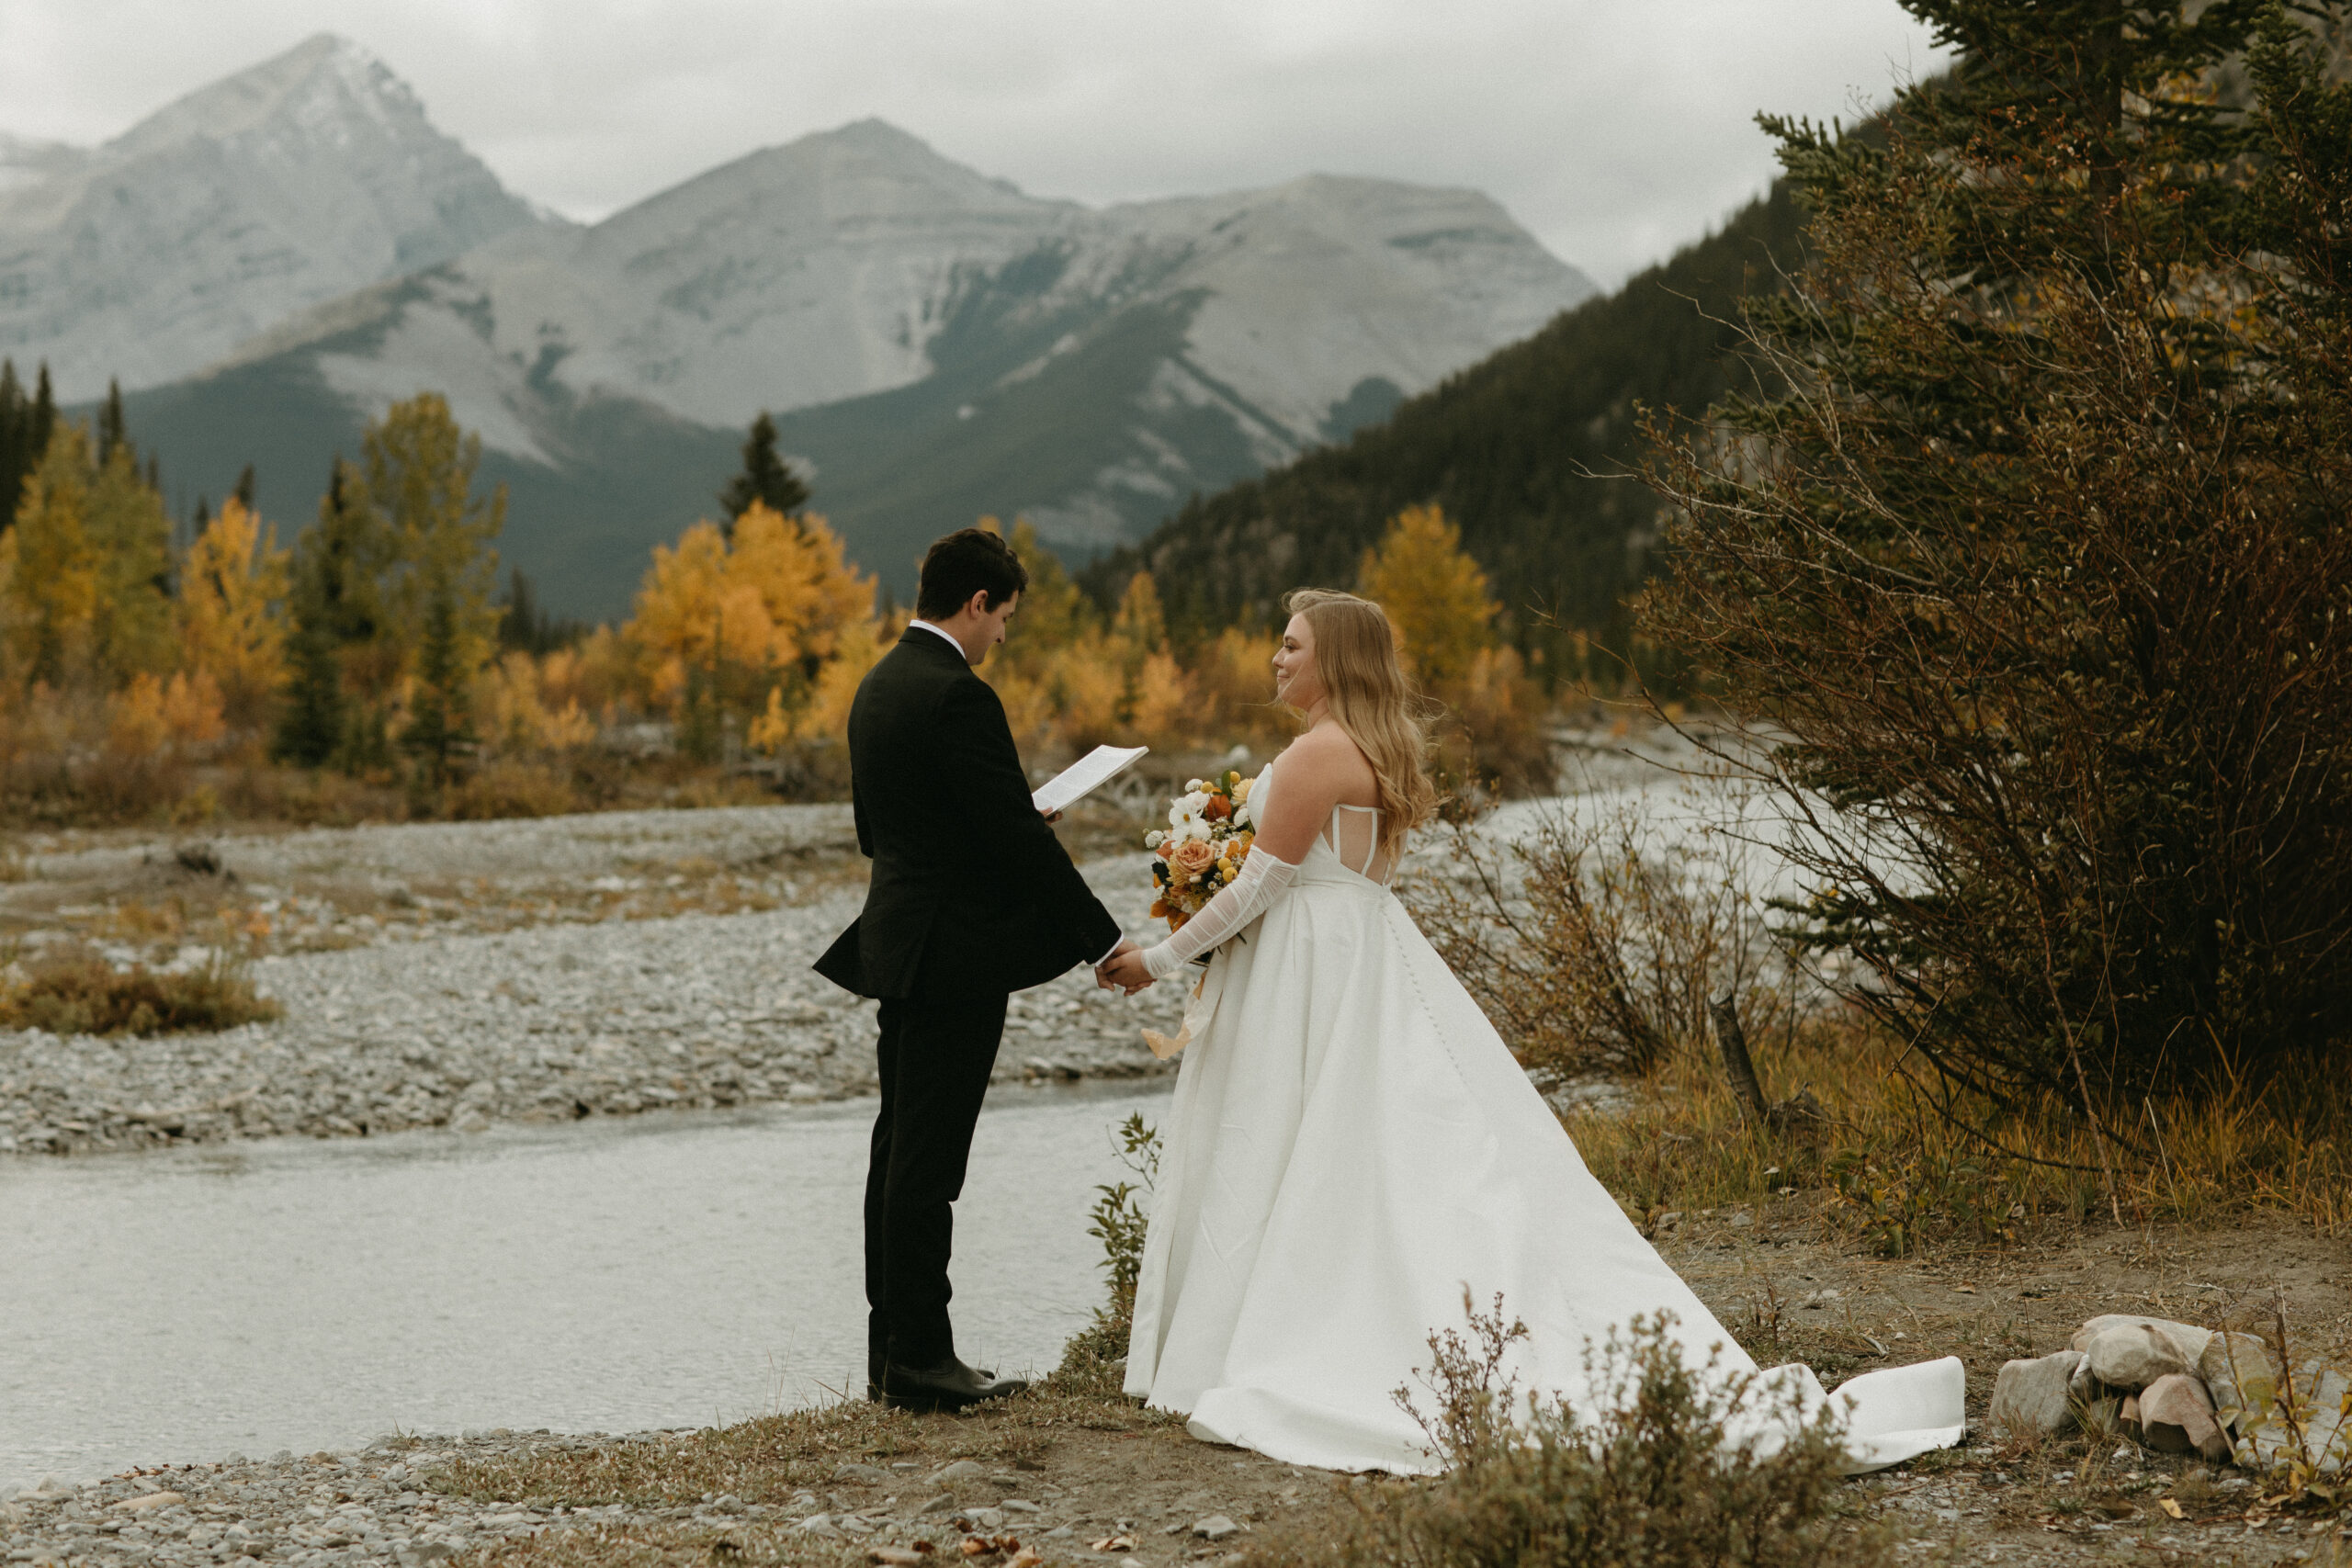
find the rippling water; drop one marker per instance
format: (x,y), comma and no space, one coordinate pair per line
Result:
(606,1276)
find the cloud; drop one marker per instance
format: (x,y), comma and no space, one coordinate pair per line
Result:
(1616,129)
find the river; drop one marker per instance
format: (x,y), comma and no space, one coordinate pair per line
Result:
(600,1276)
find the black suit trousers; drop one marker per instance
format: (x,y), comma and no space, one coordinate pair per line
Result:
(936,1057)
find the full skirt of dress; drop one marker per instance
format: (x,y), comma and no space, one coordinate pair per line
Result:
(1349,1148)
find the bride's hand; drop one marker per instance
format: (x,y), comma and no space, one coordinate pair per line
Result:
(1126,971)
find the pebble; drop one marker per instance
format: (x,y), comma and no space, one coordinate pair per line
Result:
(362,1507)
(549,1022)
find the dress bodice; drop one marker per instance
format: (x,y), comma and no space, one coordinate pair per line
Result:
(1351,840)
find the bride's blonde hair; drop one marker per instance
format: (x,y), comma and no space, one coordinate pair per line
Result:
(1355,659)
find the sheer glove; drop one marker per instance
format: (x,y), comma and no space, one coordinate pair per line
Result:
(1236,904)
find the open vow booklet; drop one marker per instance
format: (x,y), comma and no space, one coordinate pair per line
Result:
(1086,775)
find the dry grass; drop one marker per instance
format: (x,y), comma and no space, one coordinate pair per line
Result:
(78,992)
(773,1457)
(1905,1164)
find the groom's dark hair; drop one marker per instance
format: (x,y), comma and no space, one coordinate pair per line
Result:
(967,562)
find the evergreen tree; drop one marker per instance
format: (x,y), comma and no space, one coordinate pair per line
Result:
(310,722)
(2036,554)
(244,491)
(112,432)
(766,477)
(15,422)
(335,607)
(44,419)
(440,726)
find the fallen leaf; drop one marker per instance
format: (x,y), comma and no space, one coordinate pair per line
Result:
(1114,1543)
(1965,1290)
(1028,1556)
(975,1547)
(2169,1506)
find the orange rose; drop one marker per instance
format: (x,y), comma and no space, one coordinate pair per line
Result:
(1191,858)
(1217,809)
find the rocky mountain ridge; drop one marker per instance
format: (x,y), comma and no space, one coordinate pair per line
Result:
(936,342)
(154,255)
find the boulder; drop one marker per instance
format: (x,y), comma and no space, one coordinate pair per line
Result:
(2133,1355)
(2176,1416)
(2323,1432)
(2034,1398)
(2240,1375)
(2188,1336)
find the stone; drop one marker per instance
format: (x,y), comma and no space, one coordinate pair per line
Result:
(893,1557)
(1020,1506)
(961,1469)
(1217,1526)
(938,1505)
(2133,1355)
(818,1524)
(2176,1416)
(2036,1397)
(2188,1336)
(861,1474)
(2240,1375)
(148,1503)
(2321,1396)
(987,1520)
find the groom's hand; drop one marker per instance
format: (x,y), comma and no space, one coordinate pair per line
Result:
(1103,970)
(1126,969)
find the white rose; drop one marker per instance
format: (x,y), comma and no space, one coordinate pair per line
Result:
(1154,839)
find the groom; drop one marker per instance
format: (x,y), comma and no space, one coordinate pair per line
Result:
(972,898)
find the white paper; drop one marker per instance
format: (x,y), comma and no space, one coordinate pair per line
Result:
(1085,776)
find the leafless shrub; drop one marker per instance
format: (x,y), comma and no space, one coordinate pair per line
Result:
(1594,942)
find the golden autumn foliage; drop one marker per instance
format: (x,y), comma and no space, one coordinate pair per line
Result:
(122,670)
(1490,730)
(1434,593)
(778,596)
(232,587)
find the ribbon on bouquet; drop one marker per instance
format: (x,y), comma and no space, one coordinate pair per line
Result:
(1197,1011)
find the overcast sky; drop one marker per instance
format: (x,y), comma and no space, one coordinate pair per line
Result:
(1616,129)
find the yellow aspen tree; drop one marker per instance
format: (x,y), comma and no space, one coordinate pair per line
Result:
(1434,593)
(807,589)
(234,584)
(51,563)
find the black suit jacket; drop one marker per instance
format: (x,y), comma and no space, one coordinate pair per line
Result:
(972,893)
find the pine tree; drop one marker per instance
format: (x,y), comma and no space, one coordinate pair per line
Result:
(44,419)
(336,606)
(766,477)
(244,491)
(112,431)
(310,721)
(15,422)
(2034,553)
(440,727)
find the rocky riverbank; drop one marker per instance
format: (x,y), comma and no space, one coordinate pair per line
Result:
(464,973)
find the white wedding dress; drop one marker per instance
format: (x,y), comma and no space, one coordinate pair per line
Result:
(1351,1144)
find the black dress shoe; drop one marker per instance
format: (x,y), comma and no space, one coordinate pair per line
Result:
(873,1364)
(950,1385)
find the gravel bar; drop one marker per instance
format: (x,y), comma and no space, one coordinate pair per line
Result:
(550,1021)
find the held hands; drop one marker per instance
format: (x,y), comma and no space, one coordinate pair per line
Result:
(1123,970)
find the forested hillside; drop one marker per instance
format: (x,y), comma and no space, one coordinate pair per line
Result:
(1517,449)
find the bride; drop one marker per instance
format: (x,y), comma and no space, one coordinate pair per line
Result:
(1352,1144)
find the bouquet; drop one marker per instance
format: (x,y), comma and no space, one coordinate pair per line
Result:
(1208,835)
